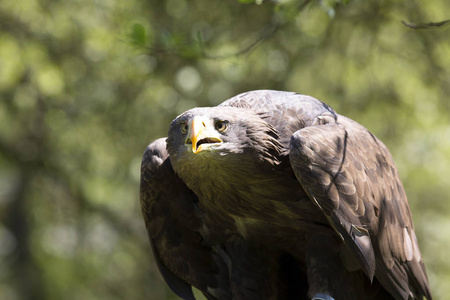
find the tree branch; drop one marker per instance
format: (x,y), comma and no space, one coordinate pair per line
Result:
(267,32)
(429,25)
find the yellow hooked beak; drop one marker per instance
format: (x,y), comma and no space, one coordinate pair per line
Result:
(202,134)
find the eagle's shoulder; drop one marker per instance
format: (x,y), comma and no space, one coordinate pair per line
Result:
(287,112)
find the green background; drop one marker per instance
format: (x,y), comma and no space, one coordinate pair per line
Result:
(86,85)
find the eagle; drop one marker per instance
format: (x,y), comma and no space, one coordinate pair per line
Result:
(273,195)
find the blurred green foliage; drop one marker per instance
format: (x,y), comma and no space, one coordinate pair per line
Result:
(86,85)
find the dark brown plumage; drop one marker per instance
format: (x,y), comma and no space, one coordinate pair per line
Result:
(272,195)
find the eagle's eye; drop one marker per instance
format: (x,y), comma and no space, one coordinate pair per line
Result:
(221,126)
(184,127)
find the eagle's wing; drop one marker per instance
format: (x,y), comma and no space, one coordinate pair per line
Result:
(350,175)
(172,220)
(195,248)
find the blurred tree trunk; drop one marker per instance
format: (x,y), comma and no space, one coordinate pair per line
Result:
(26,275)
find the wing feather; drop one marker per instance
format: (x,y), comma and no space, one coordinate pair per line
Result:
(172,221)
(352,178)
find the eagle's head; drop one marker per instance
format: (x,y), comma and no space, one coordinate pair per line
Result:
(212,143)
